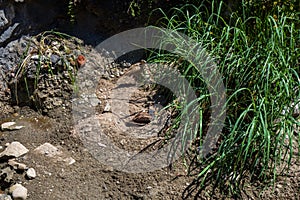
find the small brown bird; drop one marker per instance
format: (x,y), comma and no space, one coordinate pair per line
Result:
(81,60)
(142,117)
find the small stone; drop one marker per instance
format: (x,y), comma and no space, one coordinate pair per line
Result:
(5,197)
(11,49)
(35,57)
(8,32)
(15,149)
(16,165)
(10,126)
(15,114)
(30,173)
(54,58)
(18,191)
(48,150)
(94,101)
(7,176)
(108,169)
(107,107)
(3,20)
(70,160)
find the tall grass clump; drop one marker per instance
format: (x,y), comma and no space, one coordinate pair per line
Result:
(258,56)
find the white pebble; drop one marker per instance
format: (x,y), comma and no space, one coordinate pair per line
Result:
(18,191)
(30,173)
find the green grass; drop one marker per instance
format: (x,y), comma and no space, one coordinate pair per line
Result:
(258,56)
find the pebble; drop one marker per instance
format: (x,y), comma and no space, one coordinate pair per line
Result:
(6,125)
(70,160)
(8,33)
(30,173)
(3,20)
(48,150)
(16,165)
(18,191)
(35,57)
(8,174)
(15,149)
(54,58)
(107,107)
(16,114)
(93,99)
(10,126)
(108,169)
(5,197)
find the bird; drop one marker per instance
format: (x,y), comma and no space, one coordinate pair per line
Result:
(81,60)
(142,117)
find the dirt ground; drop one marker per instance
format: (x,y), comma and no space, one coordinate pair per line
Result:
(88,178)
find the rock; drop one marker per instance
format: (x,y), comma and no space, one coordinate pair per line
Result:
(94,101)
(16,165)
(54,58)
(30,173)
(108,169)
(70,160)
(35,57)
(6,175)
(10,126)
(48,150)
(18,191)
(8,33)
(5,197)
(15,149)
(107,107)
(3,19)
(7,125)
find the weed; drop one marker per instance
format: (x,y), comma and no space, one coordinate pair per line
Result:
(258,56)
(47,55)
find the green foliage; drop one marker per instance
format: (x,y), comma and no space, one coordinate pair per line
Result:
(136,6)
(258,55)
(71,10)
